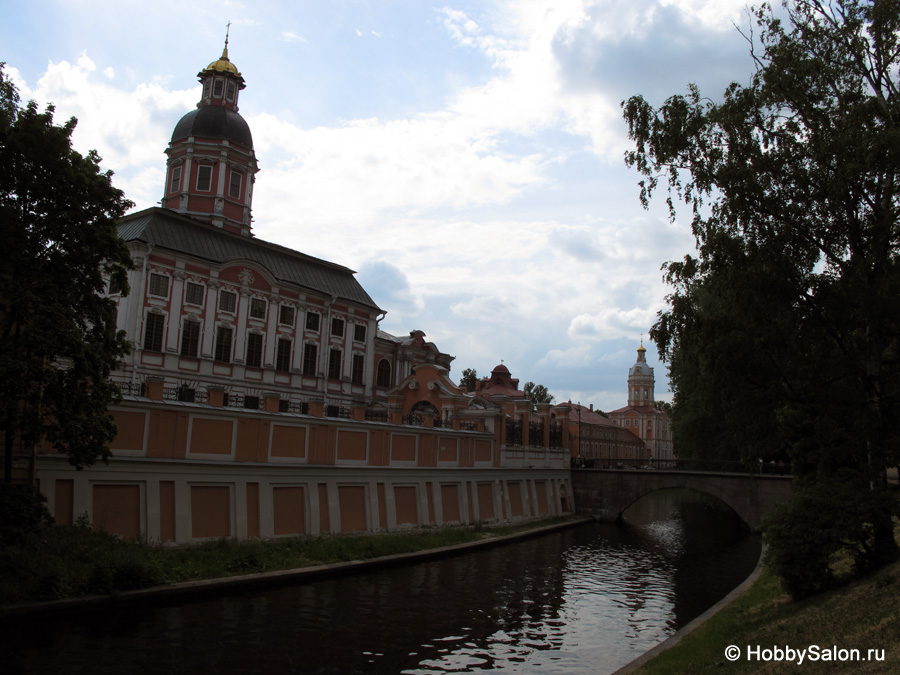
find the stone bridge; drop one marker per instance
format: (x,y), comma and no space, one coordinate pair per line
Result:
(606,493)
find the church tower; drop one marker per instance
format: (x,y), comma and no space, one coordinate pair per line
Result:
(641,381)
(211,164)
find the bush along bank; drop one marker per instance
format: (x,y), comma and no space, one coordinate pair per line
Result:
(54,562)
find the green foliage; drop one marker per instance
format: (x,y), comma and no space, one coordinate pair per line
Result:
(468,380)
(537,393)
(58,338)
(781,334)
(23,511)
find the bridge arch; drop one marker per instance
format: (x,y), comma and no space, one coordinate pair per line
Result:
(606,493)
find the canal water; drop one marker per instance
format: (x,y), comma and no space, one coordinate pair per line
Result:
(584,600)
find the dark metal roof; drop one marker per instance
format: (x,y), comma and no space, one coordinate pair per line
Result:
(214,121)
(169,230)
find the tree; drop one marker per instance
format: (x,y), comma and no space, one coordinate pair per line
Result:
(781,333)
(58,338)
(468,380)
(537,393)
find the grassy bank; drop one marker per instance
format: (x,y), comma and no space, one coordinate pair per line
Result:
(863,614)
(70,562)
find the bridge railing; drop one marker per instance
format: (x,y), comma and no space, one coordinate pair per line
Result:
(713,466)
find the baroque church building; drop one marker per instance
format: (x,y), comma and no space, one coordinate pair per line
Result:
(214,311)
(261,399)
(641,416)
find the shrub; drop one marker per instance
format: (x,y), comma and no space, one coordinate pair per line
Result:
(23,511)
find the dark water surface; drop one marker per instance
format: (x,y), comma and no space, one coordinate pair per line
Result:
(585,600)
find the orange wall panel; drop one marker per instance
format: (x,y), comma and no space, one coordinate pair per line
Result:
(288,441)
(352,499)
(482,451)
(486,500)
(289,510)
(252,440)
(131,427)
(324,512)
(403,448)
(168,435)
(406,505)
(212,436)
(252,509)
(382,507)
(448,451)
(210,511)
(352,445)
(515,498)
(117,509)
(167,510)
(450,503)
(540,487)
(64,495)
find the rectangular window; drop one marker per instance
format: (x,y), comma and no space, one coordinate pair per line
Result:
(257,308)
(176,179)
(312,321)
(254,350)
(227,301)
(159,285)
(337,327)
(223,344)
(193,294)
(218,86)
(286,316)
(153,332)
(231,89)
(358,368)
(251,402)
(359,332)
(190,338)
(310,356)
(283,355)
(114,285)
(334,364)
(204,178)
(234,188)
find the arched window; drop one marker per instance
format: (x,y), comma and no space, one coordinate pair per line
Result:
(383,377)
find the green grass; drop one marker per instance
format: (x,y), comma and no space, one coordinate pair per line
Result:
(67,562)
(862,614)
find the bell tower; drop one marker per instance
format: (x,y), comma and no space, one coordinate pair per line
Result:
(211,165)
(641,381)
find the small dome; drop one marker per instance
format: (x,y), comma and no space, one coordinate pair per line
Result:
(214,121)
(500,369)
(223,65)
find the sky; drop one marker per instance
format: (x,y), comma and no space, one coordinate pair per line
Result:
(464,158)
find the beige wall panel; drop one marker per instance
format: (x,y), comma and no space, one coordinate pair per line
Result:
(352,499)
(210,511)
(117,509)
(289,507)
(406,505)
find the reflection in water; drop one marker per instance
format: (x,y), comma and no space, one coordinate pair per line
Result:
(585,600)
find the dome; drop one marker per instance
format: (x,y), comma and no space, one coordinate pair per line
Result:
(214,121)
(223,65)
(501,369)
